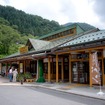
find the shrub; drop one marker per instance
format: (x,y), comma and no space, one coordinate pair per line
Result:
(20,77)
(27,75)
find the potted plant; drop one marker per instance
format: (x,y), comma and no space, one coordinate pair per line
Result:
(28,76)
(20,78)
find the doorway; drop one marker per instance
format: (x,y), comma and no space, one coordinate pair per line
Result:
(80,72)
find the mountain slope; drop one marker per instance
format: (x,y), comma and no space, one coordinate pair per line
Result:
(26,23)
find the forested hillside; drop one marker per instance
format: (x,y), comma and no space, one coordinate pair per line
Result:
(10,38)
(27,23)
(16,27)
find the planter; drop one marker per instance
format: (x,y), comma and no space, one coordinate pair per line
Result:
(30,80)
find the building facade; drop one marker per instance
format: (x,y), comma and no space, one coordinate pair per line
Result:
(63,55)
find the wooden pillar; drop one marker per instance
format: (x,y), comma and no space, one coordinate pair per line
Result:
(70,72)
(52,67)
(19,67)
(56,67)
(90,68)
(62,71)
(24,66)
(6,69)
(0,67)
(103,81)
(10,64)
(37,74)
(49,70)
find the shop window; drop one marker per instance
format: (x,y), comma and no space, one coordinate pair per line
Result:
(80,72)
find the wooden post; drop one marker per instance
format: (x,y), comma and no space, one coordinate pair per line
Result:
(90,68)
(0,67)
(37,74)
(6,69)
(62,71)
(24,66)
(49,70)
(70,72)
(52,77)
(56,67)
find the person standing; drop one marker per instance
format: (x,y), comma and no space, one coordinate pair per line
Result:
(10,74)
(15,75)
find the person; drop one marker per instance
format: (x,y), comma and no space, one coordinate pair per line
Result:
(15,75)
(10,74)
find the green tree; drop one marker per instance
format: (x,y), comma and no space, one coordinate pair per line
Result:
(26,23)
(8,37)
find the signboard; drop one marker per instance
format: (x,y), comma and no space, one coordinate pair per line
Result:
(95,69)
(21,67)
(23,49)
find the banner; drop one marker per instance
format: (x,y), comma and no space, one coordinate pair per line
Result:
(95,69)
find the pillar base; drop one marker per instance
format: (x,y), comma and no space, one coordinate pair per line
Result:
(40,80)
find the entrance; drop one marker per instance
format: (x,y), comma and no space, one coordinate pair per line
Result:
(33,68)
(80,72)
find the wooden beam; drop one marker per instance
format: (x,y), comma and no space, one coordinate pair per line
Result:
(56,67)
(80,50)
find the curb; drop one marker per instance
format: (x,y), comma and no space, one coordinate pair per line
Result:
(71,93)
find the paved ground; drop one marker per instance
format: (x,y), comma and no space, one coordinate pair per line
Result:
(84,90)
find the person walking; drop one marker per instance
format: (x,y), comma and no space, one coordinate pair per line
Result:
(10,74)
(15,75)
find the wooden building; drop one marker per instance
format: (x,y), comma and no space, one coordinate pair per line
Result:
(63,55)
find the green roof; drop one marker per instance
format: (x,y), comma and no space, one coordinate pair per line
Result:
(61,41)
(86,38)
(86,27)
(37,44)
(82,27)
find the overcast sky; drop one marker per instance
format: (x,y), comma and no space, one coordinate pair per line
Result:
(64,11)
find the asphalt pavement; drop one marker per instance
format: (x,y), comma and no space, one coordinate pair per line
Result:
(78,89)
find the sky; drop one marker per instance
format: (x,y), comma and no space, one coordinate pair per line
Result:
(64,11)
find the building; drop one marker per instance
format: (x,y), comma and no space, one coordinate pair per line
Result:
(63,55)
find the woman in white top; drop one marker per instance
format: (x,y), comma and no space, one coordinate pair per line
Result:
(10,74)
(15,75)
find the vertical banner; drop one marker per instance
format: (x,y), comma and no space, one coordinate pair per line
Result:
(21,67)
(95,69)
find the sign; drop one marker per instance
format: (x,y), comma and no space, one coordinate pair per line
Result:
(95,69)
(23,49)
(21,67)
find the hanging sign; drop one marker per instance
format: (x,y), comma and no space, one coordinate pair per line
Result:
(23,49)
